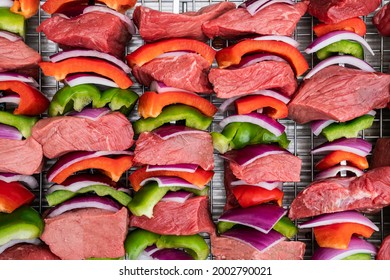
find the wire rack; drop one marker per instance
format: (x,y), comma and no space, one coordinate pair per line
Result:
(302,140)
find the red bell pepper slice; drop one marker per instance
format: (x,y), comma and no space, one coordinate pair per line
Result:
(26,8)
(150,51)
(32,101)
(353,24)
(199,178)
(336,157)
(112,167)
(13,195)
(338,236)
(152,103)
(52,6)
(248,196)
(59,70)
(232,55)
(273,107)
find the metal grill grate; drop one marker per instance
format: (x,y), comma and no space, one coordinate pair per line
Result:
(302,141)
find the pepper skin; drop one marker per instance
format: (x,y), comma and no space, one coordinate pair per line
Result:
(355,25)
(248,196)
(336,157)
(26,8)
(52,6)
(343,46)
(12,22)
(23,123)
(273,107)
(13,195)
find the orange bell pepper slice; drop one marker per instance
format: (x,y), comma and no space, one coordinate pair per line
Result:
(150,51)
(26,8)
(112,167)
(336,157)
(338,236)
(13,195)
(59,70)
(52,6)
(248,196)
(152,103)
(199,178)
(273,107)
(353,24)
(232,55)
(32,101)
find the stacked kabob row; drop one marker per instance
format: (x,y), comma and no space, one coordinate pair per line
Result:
(339,111)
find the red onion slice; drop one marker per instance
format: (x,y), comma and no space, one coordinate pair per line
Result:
(372,113)
(183,167)
(10,98)
(9,76)
(14,242)
(255,58)
(81,79)
(84,202)
(89,113)
(285,39)
(254,238)
(333,171)
(90,53)
(337,218)
(357,146)
(10,133)
(265,92)
(173,54)
(178,196)
(265,185)
(258,119)
(27,180)
(171,254)
(125,19)
(164,182)
(318,126)
(254,6)
(7,3)
(335,36)
(10,36)
(261,217)
(344,59)
(160,87)
(249,154)
(356,246)
(73,157)
(169,131)
(74,187)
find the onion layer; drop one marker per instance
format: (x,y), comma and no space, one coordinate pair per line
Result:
(29,181)
(168,131)
(356,146)
(183,167)
(171,182)
(8,76)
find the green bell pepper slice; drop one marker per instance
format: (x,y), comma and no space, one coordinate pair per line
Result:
(359,256)
(137,241)
(23,123)
(60,196)
(192,244)
(349,129)
(343,46)
(12,22)
(238,135)
(193,118)
(122,100)
(149,195)
(23,223)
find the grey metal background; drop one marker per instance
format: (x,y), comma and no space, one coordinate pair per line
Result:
(302,141)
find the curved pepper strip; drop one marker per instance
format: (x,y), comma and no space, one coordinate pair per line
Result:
(32,101)
(112,167)
(149,195)
(232,55)
(13,195)
(59,70)
(151,51)
(240,135)
(273,107)
(199,178)
(248,196)
(137,241)
(336,157)
(192,244)
(23,123)
(338,236)
(52,6)
(356,25)
(12,22)
(152,103)
(26,8)
(193,118)
(343,46)
(122,100)
(23,223)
